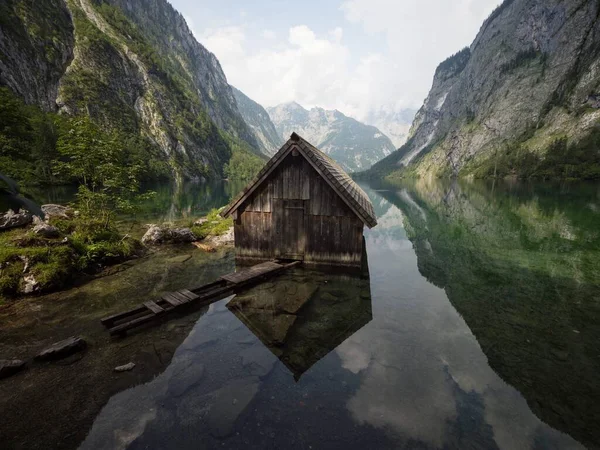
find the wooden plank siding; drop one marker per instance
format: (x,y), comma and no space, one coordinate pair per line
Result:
(295,214)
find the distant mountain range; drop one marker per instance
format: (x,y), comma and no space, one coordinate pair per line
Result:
(395,124)
(354,145)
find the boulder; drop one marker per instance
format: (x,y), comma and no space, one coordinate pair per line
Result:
(62,349)
(45,230)
(10,367)
(224,239)
(11,219)
(164,235)
(201,221)
(59,211)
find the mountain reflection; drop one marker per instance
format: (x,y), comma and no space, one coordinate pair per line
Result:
(300,319)
(521,265)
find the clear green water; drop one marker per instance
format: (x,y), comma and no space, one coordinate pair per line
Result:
(478,328)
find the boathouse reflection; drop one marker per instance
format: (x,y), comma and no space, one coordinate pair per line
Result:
(302,317)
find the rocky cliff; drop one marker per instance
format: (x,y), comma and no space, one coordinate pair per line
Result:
(354,145)
(132,65)
(394,124)
(259,122)
(522,100)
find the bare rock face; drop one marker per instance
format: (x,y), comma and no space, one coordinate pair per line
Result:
(10,367)
(62,349)
(11,219)
(532,73)
(164,235)
(59,211)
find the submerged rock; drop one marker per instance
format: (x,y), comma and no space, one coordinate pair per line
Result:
(11,219)
(62,212)
(164,235)
(10,367)
(62,349)
(125,367)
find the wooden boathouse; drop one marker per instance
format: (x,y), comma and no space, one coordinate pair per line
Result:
(301,206)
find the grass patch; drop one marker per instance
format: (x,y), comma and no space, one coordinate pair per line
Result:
(57,263)
(214,226)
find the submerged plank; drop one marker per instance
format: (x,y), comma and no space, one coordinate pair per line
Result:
(252,272)
(153,307)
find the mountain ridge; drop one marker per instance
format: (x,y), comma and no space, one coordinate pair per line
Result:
(353,144)
(519,102)
(133,66)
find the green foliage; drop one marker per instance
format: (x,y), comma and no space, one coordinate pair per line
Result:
(522,59)
(244,164)
(215,225)
(107,165)
(454,64)
(27,140)
(56,264)
(562,160)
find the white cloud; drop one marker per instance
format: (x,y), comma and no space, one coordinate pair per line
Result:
(326,69)
(269,34)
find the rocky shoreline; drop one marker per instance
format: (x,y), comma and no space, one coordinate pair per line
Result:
(42,255)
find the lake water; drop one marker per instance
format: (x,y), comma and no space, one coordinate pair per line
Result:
(478,328)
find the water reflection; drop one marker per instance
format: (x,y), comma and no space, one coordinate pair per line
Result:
(477,329)
(521,266)
(301,319)
(173,201)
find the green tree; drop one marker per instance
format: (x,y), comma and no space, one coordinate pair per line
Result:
(107,165)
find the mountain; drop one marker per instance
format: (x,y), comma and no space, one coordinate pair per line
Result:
(259,122)
(354,145)
(395,124)
(522,101)
(133,66)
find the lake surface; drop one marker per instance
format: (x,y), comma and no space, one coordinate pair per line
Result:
(478,328)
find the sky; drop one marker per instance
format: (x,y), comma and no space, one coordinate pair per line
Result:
(356,56)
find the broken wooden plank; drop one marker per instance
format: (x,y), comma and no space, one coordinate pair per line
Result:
(153,307)
(182,298)
(252,272)
(189,294)
(206,294)
(171,299)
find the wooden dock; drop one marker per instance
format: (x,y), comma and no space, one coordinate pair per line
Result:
(225,286)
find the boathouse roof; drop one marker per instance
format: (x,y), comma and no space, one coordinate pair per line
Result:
(345,187)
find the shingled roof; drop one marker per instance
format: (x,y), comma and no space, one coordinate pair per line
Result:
(340,181)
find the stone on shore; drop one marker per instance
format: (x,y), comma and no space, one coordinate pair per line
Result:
(224,239)
(11,219)
(163,235)
(10,367)
(201,221)
(59,211)
(45,230)
(62,349)
(125,367)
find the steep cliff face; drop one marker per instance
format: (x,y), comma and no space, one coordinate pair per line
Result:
(259,122)
(133,65)
(354,145)
(530,78)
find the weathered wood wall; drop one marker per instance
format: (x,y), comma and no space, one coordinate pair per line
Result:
(296,214)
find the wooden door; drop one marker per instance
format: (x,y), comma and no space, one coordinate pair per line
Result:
(293,233)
